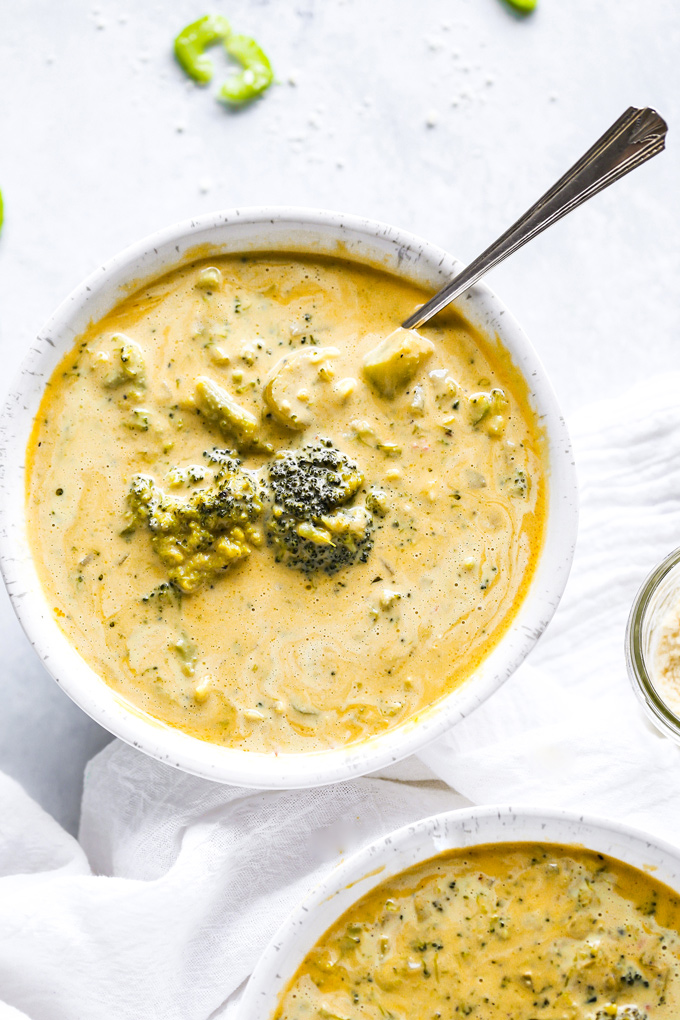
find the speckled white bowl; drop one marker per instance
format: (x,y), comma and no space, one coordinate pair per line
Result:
(358,874)
(252,230)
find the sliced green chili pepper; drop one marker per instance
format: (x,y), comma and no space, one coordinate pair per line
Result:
(256,76)
(524,6)
(2,211)
(194,39)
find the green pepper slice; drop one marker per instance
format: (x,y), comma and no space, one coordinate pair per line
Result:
(523,6)
(2,211)
(194,39)
(256,76)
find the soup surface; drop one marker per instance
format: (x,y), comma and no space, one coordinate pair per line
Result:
(267,518)
(513,931)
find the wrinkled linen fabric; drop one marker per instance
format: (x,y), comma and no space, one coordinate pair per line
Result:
(175,885)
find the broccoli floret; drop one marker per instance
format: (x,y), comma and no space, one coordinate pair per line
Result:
(200,537)
(313,480)
(310,527)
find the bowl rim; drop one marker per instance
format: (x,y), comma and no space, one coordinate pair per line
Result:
(363,870)
(151,257)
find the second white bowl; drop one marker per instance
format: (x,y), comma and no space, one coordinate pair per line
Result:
(406,847)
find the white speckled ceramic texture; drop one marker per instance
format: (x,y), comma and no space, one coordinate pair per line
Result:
(252,230)
(363,871)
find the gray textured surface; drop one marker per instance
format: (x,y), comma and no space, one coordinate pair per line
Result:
(104,141)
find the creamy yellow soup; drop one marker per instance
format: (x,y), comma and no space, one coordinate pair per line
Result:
(513,931)
(265,517)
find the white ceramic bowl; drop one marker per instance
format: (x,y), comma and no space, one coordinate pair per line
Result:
(253,230)
(402,849)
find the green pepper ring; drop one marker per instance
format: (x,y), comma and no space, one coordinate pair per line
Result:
(239,89)
(523,6)
(256,76)
(193,40)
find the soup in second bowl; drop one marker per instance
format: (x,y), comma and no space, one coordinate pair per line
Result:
(509,931)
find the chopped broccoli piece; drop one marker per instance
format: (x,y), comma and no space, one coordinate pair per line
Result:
(139,420)
(187,652)
(200,537)
(489,410)
(520,485)
(310,527)
(209,278)
(128,368)
(219,408)
(377,501)
(394,362)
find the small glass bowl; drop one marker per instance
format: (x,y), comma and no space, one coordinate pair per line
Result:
(657,595)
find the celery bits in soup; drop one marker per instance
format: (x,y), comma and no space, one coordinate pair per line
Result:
(266,517)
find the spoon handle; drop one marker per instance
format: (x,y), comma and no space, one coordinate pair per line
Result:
(633,139)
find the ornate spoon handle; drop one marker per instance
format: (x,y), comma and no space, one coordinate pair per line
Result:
(633,139)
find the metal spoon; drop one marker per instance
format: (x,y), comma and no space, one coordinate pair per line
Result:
(633,139)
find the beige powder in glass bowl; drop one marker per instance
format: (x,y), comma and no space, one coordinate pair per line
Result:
(653,645)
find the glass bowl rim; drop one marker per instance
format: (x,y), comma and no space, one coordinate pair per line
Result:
(640,678)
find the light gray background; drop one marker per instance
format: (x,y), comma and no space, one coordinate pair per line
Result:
(444,117)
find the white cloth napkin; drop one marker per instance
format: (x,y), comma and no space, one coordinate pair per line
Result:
(176,884)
